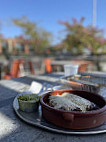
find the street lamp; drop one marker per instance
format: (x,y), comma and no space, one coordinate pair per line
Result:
(94,13)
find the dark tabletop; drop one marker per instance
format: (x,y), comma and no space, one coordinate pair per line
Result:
(13,129)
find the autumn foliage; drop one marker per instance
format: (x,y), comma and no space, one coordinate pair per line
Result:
(80,38)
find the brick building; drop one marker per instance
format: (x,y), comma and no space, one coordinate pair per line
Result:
(16,45)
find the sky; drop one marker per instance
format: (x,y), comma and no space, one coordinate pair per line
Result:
(48,13)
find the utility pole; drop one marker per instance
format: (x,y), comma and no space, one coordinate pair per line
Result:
(94,13)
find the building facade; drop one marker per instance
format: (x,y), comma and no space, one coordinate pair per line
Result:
(15,46)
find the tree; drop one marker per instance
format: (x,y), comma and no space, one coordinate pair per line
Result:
(78,37)
(39,38)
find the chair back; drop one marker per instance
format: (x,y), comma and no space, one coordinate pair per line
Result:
(15,68)
(48,66)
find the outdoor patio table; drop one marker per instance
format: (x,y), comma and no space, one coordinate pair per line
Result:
(58,65)
(13,129)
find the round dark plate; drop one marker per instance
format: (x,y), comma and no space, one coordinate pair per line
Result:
(36,119)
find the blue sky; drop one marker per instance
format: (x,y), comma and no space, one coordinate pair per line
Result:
(47,13)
